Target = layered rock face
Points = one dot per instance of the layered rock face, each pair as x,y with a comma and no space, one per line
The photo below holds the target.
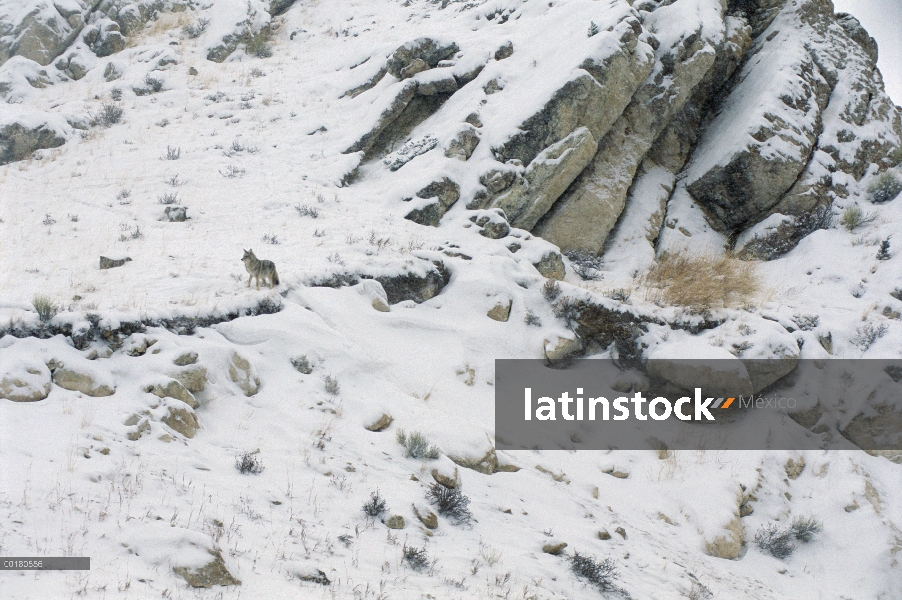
756,108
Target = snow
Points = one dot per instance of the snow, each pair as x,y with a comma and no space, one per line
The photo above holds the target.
74,483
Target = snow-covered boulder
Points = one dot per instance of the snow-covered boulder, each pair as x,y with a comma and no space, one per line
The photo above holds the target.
22,131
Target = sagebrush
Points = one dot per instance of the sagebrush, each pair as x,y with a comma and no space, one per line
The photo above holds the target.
702,282
450,502
417,446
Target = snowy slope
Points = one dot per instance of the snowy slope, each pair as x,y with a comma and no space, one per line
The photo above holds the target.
256,149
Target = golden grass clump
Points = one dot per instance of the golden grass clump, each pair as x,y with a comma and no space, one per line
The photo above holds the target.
702,282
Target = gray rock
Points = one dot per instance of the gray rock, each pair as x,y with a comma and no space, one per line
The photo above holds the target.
173,389
241,372
584,216
277,7
402,99
194,378
111,72
501,311
380,424
28,384
183,420
19,141
551,265
176,214
547,177
446,194
213,573
188,358
504,51
41,35
112,263
395,522
427,50
70,378
463,144
417,66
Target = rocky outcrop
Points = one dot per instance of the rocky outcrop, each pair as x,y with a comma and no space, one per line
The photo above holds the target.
440,196
423,53
426,280
44,31
21,133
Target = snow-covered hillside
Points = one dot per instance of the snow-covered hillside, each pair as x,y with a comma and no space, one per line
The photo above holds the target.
439,185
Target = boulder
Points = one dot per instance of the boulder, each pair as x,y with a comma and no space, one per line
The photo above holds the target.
242,373
428,51
501,310
547,177
551,265
462,145
112,263
380,424
194,378
213,573
373,290
23,379
176,214
446,194
182,419
428,518
185,359
104,38
395,522
561,349
554,548
403,94
716,371
70,378
411,286
173,389
20,137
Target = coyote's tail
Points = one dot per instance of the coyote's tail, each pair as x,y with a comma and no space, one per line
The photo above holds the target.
275,277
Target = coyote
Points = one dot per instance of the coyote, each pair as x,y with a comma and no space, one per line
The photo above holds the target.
260,269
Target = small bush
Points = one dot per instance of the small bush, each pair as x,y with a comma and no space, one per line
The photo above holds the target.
806,322
883,252
567,309
551,290
775,541
194,30
599,573
853,217
867,335
45,307
116,94
331,385
805,529
110,114
585,264
449,502
532,319
375,507
232,171
884,187
416,558
417,446
152,85
259,46
302,364
702,282
248,463
48,219
169,198
307,211
172,153
593,29
123,195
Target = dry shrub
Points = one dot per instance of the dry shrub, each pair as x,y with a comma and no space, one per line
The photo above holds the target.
702,282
